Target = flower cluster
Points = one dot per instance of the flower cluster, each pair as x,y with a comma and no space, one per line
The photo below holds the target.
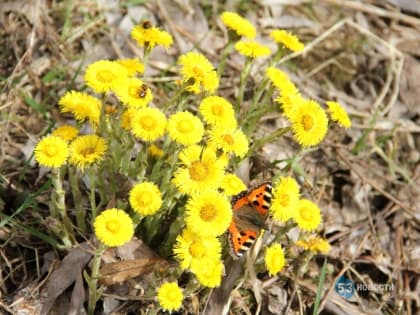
169,166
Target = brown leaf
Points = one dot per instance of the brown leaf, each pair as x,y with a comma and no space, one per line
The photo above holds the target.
121,271
64,275
78,295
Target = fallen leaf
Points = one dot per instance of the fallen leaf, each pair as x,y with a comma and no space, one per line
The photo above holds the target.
64,275
118,272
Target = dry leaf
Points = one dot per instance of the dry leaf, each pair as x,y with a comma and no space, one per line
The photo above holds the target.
64,275
121,271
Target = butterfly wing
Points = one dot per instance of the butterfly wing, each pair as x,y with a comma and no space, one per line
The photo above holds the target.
250,209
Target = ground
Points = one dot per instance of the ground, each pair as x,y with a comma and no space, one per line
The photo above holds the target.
365,179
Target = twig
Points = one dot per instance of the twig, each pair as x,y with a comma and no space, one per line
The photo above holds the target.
368,8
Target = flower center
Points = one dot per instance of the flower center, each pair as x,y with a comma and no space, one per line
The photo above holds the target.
173,295
113,226
148,123
105,76
307,122
306,214
284,200
184,126
87,151
207,212
51,151
133,91
217,110
198,171
228,139
144,199
198,73
197,250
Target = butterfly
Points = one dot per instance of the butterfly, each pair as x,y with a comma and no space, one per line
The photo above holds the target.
250,210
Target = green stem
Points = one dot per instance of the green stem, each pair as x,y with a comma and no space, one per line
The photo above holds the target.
94,294
242,84
59,208
92,199
77,199
260,142
223,58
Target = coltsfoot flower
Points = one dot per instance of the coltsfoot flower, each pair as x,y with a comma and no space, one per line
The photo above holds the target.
145,198
87,150
51,151
287,39
195,67
208,213
309,123
307,215
148,124
149,36
101,75
338,114
285,198
170,296
200,170
238,24
82,105
252,49
185,128
196,252
274,259
113,227
66,132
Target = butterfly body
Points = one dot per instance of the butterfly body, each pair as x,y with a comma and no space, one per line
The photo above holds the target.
250,210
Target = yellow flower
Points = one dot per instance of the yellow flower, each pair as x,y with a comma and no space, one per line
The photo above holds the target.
280,80
307,215
126,118
196,68
66,132
154,150
289,101
212,276
113,227
274,259
217,111
132,66
338,114
170,296
82,105
149,36
285,198
238,24
208,213
230,140
86,150
132,92
315,244
287,39
195,252
185,128
148,124
309,123
232,185
145,198
201,170
101,75
51,151
252,49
